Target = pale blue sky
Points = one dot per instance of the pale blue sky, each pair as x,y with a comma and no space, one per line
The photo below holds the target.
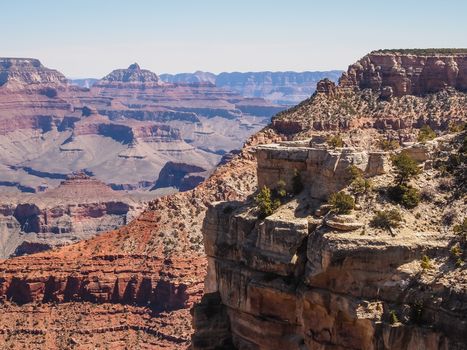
89,38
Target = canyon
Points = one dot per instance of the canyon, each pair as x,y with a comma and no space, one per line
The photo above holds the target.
129,130
300,278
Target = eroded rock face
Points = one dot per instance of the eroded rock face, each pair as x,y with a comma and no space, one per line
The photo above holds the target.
399,73
322,170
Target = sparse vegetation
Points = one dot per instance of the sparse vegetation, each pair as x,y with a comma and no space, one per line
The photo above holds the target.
461,229
393,319
388,145
426,263
406,195
266,203
405,167
457,127
358,185
335,141
280,190
426,134
456,251
341,202
386,219
428,51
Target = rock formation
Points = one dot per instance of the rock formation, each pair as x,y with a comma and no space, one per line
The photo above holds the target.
129,118
409,72
20,71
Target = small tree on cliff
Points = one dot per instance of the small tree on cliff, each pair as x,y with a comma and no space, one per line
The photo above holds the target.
341,202
266,203
405,167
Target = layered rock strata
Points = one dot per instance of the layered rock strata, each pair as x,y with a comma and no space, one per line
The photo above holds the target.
408,72
78,208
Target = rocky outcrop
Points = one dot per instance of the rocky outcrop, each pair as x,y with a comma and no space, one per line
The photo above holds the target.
26,71
301,279
133,74
387,90
322,170
408,72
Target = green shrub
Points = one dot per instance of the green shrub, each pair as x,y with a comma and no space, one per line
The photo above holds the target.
405,195
405,167
266,203
358,185
335,141
386,219
341,202
426,263
280,190
297,185
354,172
393,317
425,134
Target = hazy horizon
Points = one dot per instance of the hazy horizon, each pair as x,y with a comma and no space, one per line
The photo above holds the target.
88,39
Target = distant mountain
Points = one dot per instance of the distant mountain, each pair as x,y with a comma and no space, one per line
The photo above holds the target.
284,88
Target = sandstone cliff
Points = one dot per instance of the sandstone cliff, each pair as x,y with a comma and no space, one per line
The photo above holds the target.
408,72
304,279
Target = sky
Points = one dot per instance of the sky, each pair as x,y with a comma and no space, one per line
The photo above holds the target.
90,38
